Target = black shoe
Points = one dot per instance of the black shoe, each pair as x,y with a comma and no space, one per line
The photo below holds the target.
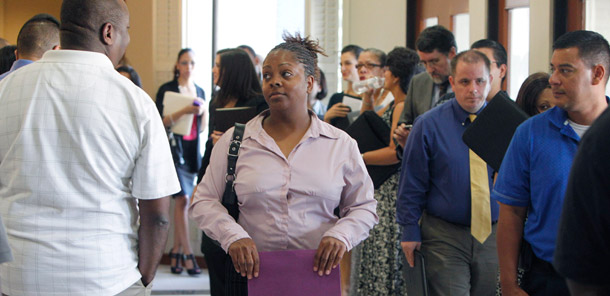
177,268
195,270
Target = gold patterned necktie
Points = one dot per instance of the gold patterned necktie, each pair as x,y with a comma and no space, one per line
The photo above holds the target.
480,210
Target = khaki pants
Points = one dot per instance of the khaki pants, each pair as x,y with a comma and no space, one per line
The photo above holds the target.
137,289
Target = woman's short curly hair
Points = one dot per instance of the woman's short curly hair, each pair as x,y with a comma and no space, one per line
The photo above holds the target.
402,62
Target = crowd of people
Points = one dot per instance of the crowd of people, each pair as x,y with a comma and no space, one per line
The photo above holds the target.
88,163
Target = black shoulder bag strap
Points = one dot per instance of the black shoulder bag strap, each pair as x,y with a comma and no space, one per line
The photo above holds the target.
229,198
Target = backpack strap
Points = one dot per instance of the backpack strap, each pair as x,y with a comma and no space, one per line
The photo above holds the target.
229,198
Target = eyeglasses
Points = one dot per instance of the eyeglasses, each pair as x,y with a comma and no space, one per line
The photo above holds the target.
431,63
369,66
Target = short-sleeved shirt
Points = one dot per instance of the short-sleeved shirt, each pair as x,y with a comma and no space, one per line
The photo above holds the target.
79,144
534,174
288,202
5,250
582,253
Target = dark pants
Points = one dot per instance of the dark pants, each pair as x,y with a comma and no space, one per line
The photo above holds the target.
224,280
215,259
542,280
456,263
235,284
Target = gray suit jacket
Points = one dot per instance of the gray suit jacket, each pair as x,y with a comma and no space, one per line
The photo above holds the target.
419,98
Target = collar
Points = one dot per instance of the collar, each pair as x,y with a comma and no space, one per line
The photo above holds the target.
20,63
254,128
77,57
462,115
559,118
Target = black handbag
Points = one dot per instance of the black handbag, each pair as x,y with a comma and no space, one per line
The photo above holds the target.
235,284
372,133
223,278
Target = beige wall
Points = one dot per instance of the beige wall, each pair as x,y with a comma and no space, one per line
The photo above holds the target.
541,35
140,50
13,13
478,19
381,24
2,20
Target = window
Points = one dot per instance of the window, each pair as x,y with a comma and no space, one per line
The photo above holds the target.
461,30
259,24
518,51
431,21
596,13
197,34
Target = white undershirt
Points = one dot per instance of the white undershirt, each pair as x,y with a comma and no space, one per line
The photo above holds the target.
578,128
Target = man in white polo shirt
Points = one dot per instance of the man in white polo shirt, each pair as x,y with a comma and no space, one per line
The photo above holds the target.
85,165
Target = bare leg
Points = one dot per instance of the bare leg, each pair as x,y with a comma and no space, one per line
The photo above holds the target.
182,237
177,246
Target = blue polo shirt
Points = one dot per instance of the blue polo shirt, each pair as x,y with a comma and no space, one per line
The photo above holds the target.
436,171
535,173
16,65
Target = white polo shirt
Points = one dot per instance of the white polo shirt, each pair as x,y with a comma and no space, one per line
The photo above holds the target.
79,144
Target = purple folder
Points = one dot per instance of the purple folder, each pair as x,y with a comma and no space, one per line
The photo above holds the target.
291,273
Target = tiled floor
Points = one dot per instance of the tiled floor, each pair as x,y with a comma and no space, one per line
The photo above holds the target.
166,283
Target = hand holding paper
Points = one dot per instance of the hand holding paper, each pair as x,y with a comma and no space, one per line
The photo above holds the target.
245,257
337,110
329,254
183,105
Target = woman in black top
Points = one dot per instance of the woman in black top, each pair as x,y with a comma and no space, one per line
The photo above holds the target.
185,151
237,86
337,111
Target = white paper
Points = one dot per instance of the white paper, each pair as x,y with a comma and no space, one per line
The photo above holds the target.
172,102
354,104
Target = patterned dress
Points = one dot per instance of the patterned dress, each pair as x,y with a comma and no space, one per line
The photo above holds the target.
377,269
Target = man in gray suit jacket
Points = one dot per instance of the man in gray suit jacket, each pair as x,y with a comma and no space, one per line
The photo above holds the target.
436,47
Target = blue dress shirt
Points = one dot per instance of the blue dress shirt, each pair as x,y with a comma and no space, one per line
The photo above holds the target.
436,171
16,65
535,173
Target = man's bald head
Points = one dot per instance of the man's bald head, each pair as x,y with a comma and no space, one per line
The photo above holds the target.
95,25
38,34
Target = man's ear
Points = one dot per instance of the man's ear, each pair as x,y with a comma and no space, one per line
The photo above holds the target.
503,69
451,82
16,54
599,72
452,52
108,34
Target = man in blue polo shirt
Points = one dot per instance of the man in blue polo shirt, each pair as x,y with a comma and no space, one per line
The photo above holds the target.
441,185
38,34
534,173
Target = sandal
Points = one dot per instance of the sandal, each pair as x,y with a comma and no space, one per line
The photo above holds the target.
177,268
192,271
